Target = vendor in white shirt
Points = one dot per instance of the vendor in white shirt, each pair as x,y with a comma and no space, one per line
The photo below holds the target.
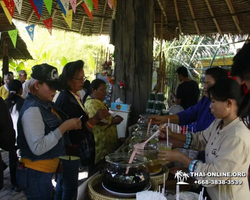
226,143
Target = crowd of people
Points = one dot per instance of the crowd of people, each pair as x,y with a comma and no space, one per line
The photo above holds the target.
48,134
222,118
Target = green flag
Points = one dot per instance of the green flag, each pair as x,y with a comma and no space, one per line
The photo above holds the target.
13,36
89,4
48,4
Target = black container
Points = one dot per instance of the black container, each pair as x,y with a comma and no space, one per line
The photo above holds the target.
115,177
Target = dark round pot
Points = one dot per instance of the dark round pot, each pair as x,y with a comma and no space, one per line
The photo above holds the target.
115,177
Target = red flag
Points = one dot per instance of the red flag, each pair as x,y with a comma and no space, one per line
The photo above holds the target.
10,5
87,11
95,2
48,24
35,9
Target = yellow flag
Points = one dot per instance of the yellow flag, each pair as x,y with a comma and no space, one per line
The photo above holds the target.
68,18
13,36
6,12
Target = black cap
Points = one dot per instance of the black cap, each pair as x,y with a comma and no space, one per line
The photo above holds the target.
47,74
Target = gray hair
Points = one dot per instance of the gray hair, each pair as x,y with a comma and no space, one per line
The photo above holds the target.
21,72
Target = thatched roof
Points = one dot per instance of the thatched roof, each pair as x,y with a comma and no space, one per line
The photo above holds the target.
21,51
203,17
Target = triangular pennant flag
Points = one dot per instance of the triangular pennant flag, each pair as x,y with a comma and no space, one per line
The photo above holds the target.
18,4
39,6
87,11
111,4
35,9
48,4
6,12
89,4
30,30
68,18
13,36
64,5
73,5
95,2
10,5
48,24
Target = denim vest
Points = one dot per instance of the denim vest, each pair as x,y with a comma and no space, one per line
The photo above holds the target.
50,121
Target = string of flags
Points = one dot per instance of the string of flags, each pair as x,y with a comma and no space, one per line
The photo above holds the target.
37,5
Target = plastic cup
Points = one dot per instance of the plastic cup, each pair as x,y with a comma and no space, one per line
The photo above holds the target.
163,146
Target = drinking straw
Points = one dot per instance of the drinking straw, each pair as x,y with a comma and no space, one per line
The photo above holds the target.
159,189
205,198
149,124
200,196
164,184
167,134
177,192
202,191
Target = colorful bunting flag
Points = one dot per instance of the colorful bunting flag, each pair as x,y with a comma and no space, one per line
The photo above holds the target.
48,24
39,6
73,5
87,11
95,2
18,4
6,12
30,29
35,9
64,5
89,4
13,36
48,4
10,5
68,18
112,3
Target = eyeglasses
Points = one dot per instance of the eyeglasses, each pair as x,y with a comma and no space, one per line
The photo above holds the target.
80,79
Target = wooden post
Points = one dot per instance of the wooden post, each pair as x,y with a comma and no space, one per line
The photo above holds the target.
134,53
5,57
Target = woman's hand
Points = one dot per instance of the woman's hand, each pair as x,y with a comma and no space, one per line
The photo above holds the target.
166,157
157,119
101,114
70,124
117,120
163,134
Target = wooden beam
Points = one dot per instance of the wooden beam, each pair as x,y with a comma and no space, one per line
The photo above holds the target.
31,14
193,16
103,13
163,11
83,19
54,13
177,15
212,14
235,18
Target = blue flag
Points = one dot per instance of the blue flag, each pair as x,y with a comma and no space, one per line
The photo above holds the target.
39,6
62,7
30,30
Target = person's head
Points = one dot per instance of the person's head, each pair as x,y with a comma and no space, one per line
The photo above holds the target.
98,88
7,78
226,98
44,82
241,64
86,84
211,76
15,87
22,76
72,77
182,73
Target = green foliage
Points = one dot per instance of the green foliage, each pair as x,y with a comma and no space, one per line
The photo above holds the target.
59,49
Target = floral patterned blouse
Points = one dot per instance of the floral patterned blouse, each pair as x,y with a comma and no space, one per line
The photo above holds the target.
105,135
